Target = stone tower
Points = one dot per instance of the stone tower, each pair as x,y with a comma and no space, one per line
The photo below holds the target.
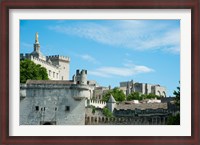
83,78
80,77
63,63
111,103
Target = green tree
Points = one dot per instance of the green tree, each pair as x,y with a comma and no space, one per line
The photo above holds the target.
93,109
175,120
107,112
138,96
134,96
152,96
31,71
177,95
116,93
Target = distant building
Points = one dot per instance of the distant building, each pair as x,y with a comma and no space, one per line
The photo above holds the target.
99,92
143,88
130,113
57,66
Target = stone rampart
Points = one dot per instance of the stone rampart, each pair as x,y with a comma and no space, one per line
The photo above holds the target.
95,103
60,104
58,57
153,120
43,63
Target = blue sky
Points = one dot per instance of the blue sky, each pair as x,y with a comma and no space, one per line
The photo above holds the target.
112,51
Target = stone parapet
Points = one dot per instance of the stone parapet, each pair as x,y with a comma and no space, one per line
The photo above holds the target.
58,57
44,62
96,103
153,120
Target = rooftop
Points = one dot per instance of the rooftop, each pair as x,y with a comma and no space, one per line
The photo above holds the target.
49,82
124,106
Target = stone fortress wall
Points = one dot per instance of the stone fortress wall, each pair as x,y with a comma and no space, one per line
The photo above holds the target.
53,102
156,120
98,118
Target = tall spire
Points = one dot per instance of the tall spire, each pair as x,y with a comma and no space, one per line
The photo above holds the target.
36,37
37,45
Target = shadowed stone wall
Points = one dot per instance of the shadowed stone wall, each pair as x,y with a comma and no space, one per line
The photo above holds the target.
54,104
153,120
97,118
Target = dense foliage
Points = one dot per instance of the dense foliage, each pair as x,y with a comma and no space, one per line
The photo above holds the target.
175,120
31,71
107,112
116,93
177,96
138,96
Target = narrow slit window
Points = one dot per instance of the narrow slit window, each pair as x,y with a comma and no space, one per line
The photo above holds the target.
36,108
67,108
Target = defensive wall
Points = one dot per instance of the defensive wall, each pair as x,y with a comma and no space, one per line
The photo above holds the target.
95,103
58,57
96,117
53,102
153,120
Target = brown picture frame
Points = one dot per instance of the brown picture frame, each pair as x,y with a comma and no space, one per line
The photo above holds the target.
99,4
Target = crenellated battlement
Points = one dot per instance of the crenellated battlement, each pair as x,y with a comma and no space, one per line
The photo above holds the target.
29,56
25,56
58,57
82,72
96,103
146,120
44,62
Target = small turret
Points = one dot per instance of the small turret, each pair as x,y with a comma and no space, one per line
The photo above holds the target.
77,72
80,77
74,78
111,103
83,77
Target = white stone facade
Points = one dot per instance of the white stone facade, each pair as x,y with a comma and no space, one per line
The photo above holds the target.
99,92
53,103
57,66
95,103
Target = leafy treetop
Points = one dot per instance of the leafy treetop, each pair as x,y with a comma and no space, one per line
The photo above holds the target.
31,71
116,93
139,96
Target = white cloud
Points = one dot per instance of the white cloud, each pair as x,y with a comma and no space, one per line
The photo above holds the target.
99,74
132,34
125,71
88,58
